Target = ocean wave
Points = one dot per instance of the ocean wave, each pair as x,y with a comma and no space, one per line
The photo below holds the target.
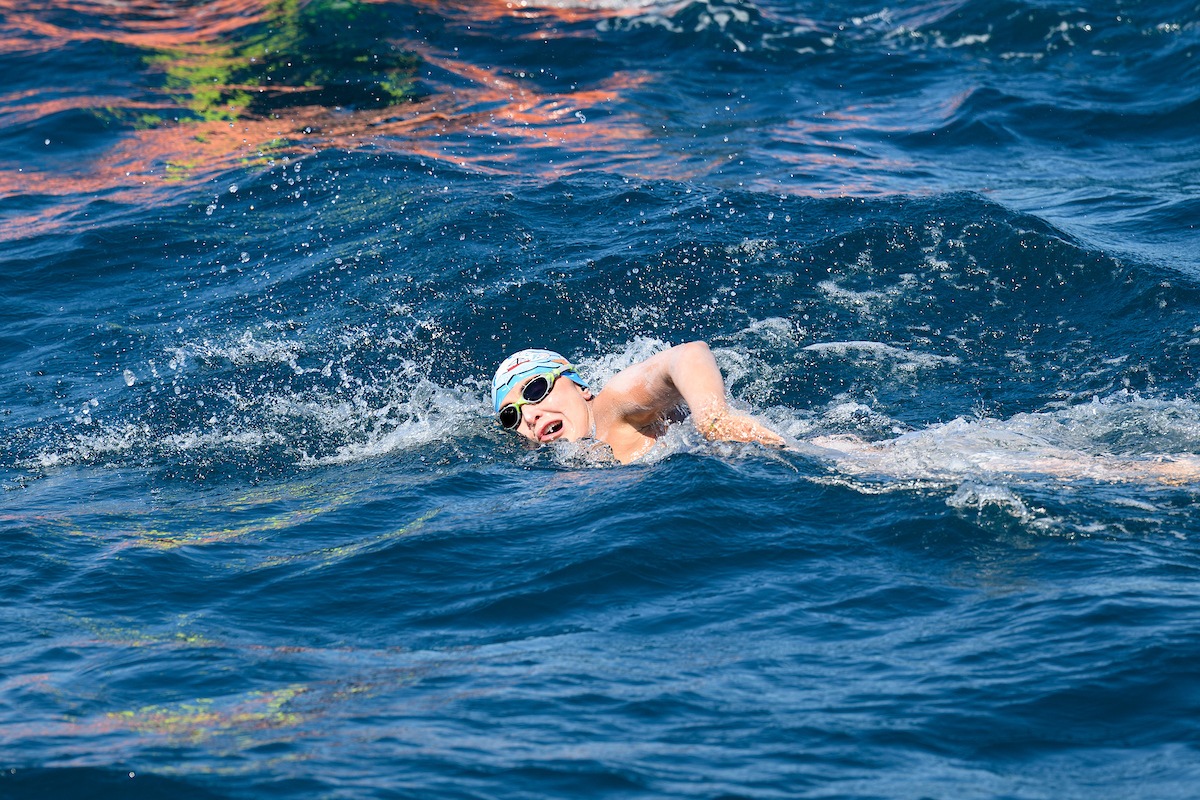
263,535
344,345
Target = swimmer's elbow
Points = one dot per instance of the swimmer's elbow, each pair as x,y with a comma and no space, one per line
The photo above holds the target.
692,353
694,347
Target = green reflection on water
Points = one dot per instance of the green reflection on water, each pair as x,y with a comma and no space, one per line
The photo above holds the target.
317,53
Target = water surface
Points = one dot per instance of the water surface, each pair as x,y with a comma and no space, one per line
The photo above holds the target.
262,537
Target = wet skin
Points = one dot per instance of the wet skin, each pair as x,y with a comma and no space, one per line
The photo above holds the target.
634,407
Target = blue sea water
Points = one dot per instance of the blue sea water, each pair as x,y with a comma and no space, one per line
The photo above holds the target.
261,536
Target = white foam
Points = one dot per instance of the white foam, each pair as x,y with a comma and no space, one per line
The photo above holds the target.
1069,444
245,440
428,415
904,360
598,370
349,418
246,349
869,301
978,497
773,332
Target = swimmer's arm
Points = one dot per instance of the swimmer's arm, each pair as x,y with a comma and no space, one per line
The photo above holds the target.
697,377
689,373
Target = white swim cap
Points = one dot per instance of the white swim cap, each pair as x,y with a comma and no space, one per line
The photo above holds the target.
525,364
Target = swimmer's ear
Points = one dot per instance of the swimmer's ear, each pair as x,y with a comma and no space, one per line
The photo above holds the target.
587,393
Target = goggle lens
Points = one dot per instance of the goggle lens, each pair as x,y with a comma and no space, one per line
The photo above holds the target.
536,390
510,417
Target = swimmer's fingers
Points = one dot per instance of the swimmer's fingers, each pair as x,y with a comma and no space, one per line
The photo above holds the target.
730,427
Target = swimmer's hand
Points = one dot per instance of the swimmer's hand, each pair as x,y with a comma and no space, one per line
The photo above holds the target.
729,426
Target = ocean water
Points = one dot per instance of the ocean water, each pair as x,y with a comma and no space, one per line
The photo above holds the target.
261,536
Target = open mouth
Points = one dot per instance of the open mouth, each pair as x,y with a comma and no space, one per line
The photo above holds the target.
551,430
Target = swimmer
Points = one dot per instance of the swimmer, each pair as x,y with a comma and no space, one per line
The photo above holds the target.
540,395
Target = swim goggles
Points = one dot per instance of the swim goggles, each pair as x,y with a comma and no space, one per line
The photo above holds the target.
532,393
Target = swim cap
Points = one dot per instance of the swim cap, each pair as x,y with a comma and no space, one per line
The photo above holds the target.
525,364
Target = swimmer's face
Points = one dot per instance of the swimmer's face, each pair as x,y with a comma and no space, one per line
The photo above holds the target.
563,414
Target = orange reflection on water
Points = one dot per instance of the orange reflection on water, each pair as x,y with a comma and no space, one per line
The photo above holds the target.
563,11
520,109
138,164
183,119
819,148
147,144
500,124
152,24
141,164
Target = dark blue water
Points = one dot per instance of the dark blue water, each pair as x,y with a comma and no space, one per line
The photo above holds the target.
262,538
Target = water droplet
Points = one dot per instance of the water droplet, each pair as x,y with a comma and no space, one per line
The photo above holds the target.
130,378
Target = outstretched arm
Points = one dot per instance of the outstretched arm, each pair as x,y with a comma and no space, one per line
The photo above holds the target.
687,373
698,378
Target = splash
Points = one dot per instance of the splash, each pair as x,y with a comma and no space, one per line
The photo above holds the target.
1072,444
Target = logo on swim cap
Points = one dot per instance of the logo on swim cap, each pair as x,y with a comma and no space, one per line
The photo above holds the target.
525,364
